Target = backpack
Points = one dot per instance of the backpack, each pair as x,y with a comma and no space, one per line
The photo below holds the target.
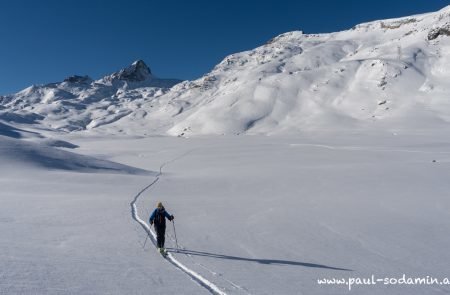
160,217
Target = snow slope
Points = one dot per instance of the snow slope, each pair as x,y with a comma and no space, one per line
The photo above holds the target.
383,74
387,74
79,103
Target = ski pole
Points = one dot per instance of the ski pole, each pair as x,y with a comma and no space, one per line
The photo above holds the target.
148,233
145,241
176,241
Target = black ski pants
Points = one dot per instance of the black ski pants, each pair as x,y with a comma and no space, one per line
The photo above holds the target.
160,236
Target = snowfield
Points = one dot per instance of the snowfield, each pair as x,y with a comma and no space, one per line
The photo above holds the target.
254,215
310,158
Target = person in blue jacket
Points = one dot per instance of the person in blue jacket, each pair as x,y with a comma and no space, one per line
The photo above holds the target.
158,219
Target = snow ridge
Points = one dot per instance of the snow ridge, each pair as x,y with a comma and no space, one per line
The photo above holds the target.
212,288
81,103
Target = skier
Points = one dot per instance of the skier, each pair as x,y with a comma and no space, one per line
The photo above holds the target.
158,217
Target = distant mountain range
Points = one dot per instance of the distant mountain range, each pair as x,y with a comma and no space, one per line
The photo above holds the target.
80,103
391,74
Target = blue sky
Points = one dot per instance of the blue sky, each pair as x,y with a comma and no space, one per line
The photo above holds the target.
48,40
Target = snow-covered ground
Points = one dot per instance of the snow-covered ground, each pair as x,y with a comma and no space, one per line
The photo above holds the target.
254,214
311,157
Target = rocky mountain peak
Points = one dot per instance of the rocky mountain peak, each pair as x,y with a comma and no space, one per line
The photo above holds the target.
138,71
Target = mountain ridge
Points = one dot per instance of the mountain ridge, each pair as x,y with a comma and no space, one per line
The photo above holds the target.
386,74
80,103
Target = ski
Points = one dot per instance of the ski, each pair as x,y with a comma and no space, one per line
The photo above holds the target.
163,252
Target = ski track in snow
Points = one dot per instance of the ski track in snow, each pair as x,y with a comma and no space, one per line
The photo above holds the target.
364,149
211,287
220,275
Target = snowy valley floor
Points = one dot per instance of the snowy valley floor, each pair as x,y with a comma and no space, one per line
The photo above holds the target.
253,214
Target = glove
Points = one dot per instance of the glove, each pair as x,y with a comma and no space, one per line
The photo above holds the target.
151,223
171,218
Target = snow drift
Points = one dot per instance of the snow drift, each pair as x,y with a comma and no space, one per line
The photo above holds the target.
17,152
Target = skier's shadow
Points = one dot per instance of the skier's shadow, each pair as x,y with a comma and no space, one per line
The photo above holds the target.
262,261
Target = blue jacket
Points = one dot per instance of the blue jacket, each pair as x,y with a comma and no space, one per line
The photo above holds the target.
159,222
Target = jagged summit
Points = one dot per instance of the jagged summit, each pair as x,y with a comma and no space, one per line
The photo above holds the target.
136,75
138,71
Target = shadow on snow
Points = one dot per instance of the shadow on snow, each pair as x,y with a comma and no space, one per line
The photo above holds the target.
262,261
